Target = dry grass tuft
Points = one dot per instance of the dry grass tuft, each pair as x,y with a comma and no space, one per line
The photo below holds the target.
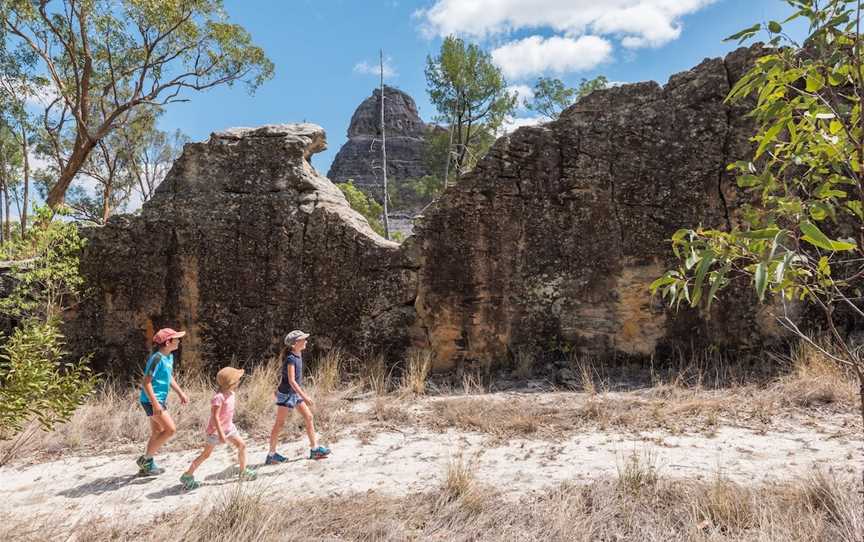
637,471
815,380
327,371
417,367
375,376
523,360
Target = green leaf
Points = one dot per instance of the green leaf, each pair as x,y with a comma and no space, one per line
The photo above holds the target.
774,27
704,264
719,277
769,136
761,280
744,34
766,233
824,267
815,82
815,237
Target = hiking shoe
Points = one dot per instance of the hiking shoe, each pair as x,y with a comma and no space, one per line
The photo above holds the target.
150,468
141,462
319,453
189,482
248,474
274,458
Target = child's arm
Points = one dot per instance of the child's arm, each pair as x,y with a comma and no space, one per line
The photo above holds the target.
296,387
147,384
176,387
214,419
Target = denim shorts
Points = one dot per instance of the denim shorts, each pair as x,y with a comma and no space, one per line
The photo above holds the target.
148,408
289,400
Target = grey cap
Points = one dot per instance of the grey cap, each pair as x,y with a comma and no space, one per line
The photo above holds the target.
294,336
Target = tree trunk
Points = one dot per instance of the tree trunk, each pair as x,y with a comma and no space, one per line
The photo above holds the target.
2,187
57,194
106,206
26,196
7,227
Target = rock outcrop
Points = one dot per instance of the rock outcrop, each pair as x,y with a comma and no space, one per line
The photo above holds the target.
553,240
550,244
360,157
242,242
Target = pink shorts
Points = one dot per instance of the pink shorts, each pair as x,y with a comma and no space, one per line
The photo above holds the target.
214,438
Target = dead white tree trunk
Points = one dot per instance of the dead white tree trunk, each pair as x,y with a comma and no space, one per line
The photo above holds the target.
384,151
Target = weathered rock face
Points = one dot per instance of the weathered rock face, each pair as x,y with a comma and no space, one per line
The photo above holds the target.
555,237
243,242
550,244
360,157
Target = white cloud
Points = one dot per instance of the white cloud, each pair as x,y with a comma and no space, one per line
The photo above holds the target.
646,22
512,123
366,68
535,54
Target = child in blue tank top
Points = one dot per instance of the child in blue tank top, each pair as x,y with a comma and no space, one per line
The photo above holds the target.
290,395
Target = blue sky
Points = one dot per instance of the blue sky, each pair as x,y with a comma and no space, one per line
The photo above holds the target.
317,46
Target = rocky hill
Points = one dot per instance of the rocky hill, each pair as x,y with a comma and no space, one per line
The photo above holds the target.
360,157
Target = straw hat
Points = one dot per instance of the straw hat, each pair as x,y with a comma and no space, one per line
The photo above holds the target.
228,377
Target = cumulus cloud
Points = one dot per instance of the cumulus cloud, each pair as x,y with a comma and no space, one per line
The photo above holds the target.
535,54
639,23
374,68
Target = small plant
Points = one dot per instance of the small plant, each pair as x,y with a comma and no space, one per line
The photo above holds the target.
637,471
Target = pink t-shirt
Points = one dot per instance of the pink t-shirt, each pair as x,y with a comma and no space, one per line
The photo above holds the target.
226,415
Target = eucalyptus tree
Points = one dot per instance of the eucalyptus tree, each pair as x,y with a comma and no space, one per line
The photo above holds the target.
104,58
801,237
471,96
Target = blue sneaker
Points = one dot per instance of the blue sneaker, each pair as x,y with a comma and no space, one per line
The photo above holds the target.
150,468
275,458
319,453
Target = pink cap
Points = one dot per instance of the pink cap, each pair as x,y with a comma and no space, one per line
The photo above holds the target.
166,333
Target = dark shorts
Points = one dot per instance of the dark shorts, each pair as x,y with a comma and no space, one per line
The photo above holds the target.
289,400
148,408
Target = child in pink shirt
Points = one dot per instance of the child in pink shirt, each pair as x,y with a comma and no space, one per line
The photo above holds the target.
220,427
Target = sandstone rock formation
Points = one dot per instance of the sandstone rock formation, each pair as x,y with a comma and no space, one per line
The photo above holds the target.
553,240
243,242
550,244
360,157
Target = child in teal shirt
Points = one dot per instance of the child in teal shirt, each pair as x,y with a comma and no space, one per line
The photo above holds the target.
158,380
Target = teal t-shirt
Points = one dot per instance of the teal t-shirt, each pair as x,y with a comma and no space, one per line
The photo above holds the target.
161,368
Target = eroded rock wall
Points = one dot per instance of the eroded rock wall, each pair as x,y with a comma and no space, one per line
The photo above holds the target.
243,242
552,241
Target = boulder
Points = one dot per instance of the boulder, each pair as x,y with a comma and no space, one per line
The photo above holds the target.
242,242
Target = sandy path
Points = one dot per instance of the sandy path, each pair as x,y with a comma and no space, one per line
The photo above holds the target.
415,460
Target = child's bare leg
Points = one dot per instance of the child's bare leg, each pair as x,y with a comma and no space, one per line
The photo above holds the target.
208,449
310,425
241,450
163,428
155,431
282,413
